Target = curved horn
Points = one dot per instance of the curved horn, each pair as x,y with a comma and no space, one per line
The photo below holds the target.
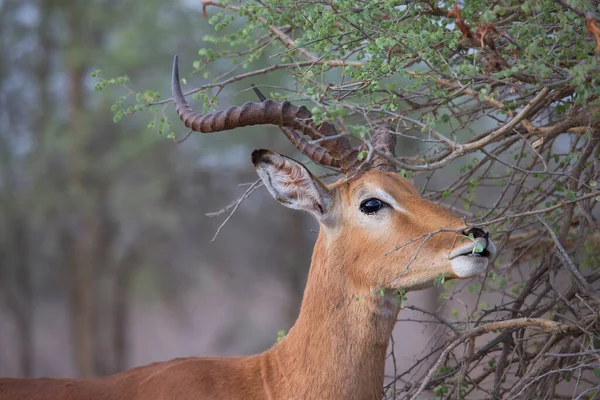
333,152
267,112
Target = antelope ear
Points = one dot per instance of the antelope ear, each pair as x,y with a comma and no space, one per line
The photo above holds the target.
291,183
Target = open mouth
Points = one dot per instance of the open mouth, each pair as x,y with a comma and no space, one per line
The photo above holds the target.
484,253
467,261
470,249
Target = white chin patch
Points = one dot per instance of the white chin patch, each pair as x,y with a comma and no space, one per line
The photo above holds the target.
468,266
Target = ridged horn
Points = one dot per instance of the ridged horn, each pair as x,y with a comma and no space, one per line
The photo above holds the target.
337,152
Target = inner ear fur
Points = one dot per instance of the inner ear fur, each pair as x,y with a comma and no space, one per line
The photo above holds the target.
291,183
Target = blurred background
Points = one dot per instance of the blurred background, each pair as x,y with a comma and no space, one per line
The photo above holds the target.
106,259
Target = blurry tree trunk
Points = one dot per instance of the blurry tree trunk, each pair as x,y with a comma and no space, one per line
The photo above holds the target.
15,262
91,235
94,232
16,273
86,232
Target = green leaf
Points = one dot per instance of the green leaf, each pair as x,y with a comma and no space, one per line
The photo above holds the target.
478,248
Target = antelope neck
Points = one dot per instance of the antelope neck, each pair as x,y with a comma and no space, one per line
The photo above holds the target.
337,347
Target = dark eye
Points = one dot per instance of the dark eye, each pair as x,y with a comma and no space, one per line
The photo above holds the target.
371,206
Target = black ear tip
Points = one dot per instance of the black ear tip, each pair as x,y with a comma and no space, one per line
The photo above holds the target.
260,156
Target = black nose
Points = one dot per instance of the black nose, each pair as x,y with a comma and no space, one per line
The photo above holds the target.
477,233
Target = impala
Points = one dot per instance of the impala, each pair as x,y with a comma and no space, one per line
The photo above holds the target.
377,236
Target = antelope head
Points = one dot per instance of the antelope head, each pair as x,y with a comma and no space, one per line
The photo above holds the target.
373,222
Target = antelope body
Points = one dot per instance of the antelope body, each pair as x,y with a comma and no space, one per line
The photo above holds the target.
368,225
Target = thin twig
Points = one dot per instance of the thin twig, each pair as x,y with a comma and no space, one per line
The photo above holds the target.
233,206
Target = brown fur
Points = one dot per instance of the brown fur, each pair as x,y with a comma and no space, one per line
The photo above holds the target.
336,349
